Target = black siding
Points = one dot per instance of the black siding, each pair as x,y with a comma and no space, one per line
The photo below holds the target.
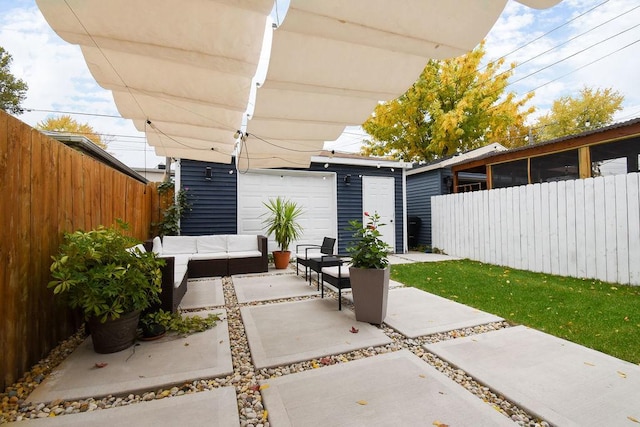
349,199
214,202
420,188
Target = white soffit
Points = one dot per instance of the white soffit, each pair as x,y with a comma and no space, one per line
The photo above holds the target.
182,69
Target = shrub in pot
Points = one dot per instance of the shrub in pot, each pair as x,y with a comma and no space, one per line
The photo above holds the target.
109,277
369,271
282,221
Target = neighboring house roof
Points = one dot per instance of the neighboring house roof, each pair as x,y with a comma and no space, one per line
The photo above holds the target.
604,134
84,145
460,158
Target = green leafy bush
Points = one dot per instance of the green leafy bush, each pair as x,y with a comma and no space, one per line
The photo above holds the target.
101,273
368,250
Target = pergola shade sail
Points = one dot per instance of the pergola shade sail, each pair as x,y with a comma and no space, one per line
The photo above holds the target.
183,69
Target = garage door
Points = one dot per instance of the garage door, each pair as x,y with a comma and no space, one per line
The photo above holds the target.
314,191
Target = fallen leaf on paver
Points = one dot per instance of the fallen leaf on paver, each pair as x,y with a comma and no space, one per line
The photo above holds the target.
422,376
101,364
354,330
633,419
263,386
326,361
362,402
622,374
439,424
589,364
186,344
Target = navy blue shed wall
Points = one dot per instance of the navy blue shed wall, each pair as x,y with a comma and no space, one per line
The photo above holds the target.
349,199
214,202
420,188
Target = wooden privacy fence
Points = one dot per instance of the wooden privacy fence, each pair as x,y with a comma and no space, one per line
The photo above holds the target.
586,228
48,188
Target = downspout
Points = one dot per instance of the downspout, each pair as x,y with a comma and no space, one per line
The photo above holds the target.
405,234
177,185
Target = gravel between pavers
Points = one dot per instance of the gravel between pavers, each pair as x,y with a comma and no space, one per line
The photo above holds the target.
245,377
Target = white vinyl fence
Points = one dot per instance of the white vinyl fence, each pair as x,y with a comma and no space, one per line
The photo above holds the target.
584,228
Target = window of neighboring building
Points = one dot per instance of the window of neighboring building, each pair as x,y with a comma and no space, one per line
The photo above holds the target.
615,158
509,174
555,167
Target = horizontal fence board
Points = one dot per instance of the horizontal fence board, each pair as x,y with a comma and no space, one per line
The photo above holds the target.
584,228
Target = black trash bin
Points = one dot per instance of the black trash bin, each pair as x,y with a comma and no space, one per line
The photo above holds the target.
413,230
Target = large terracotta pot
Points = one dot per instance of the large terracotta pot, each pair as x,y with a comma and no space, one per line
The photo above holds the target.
281,259
114,334
370,289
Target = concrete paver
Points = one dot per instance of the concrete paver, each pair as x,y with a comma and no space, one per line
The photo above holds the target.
147,366
394,389
203,293
285,333
560,381
208,408
271,287
414,313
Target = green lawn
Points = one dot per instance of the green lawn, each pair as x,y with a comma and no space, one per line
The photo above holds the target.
596,314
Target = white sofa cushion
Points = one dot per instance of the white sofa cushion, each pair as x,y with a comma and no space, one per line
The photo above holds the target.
209,255
245,254
157,246
212,244
179,245
178,274
242,243
137,248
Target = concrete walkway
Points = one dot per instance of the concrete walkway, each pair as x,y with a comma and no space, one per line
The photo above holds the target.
563,383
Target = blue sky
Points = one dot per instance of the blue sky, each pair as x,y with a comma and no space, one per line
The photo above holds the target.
59,80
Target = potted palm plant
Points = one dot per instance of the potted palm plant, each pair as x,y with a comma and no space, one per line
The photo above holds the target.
282,221
369,271
111,279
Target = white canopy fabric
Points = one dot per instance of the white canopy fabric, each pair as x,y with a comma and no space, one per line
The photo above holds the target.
183,69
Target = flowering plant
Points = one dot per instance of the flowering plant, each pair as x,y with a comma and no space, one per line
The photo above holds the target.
368,250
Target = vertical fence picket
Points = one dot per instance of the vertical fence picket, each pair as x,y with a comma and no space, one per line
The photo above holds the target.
610,228
622,230
633,204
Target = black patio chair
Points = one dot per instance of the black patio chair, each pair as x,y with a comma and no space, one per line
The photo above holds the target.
337,276
305,252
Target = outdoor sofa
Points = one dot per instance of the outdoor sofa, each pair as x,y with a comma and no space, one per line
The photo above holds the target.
206,256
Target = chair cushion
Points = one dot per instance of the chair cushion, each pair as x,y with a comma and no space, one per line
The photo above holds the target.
212,244
242,243
179,245
157,245
333,271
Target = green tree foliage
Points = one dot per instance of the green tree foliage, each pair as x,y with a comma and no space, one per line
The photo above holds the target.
65,123
591,109
12,91
454,106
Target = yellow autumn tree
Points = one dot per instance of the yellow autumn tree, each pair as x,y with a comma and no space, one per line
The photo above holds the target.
65,123
454,106
590,109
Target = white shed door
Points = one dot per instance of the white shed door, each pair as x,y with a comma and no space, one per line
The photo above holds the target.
314,191
378,195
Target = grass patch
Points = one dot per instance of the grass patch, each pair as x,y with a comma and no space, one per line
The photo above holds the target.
599,315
